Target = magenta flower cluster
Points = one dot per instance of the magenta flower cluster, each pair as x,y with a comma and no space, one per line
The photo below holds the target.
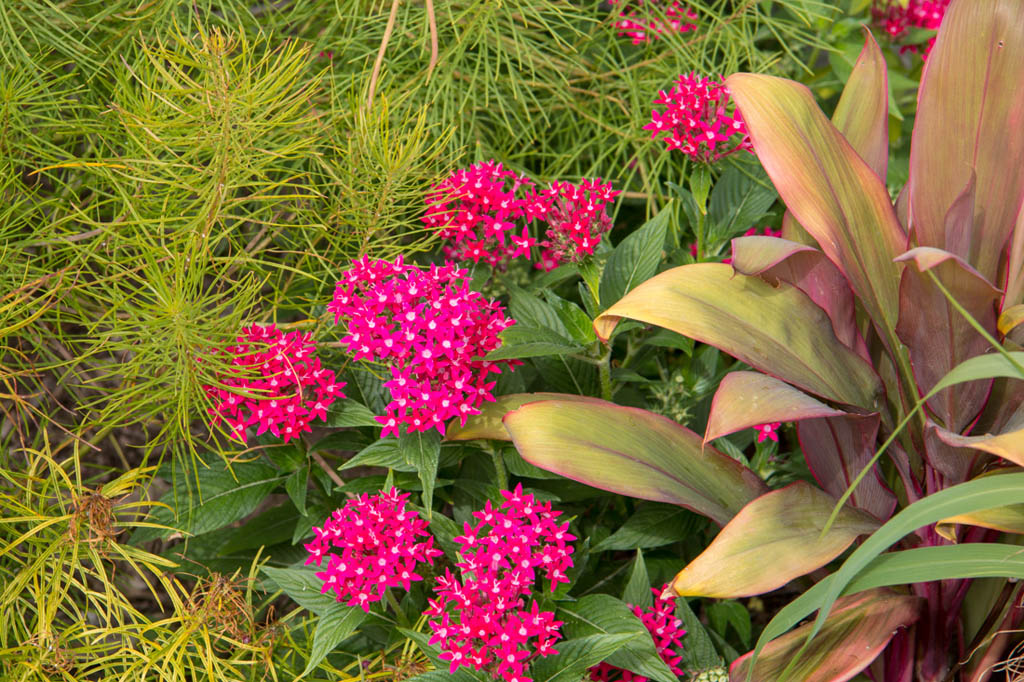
666,631
641,22
696,122
483,621
279,385
899,18
769,431
380,548
484,213
430,330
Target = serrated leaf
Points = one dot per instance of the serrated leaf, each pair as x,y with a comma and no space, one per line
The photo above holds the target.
638,588
576,321
333,627
422,451
635,259
529,310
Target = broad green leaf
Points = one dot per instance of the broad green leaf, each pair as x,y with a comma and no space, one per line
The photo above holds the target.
855,633
268,528
781,529
746,399
973,496
728,612
830,190
776,329
988,366
531,311
635,259
923,564
632,452
653,525
602,614
576,656
381,453
215,497
862,114
638,588
297,486
576,321
422,451
488,423
333,627
350,413
303,587
699,651
968,120
739,200
526,341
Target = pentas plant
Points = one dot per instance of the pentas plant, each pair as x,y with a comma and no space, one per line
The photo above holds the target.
696,119
279,385
769,431
484,620
431,332
380,547
641,22
765,232
898,18
666,631
577,216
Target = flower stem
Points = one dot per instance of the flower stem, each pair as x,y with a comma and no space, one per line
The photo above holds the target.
393,603
604,370
500,473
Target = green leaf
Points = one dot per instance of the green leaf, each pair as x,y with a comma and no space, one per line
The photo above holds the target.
576,321
602,614
698,650
739,200
422,451
297,485
777,329
303,587
653,525
382,453
332,628
215,497
527,341
723,614
268,528
632,452
576,656
638,588
635,259
530,311
781,529
346,413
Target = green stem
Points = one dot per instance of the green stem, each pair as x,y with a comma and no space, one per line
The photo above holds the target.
500,473
393,603
700,236
604,370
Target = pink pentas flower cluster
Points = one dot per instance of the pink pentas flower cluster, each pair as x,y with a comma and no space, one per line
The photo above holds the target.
666,631
484,214
752,232
642,21
430,330
483,621
577,216
897,19
279,385
696,121
380,546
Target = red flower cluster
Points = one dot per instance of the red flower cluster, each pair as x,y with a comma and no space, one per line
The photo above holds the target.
430,329
483,621
897,20
643,25
666,631
379,548
576,219
696,121
291,389
484,213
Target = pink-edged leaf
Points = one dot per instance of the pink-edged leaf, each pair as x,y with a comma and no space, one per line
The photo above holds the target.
771,541
855,632
862,114
960,222
808,269
1015,267
1007,519
937,335
1010,319
746,399
836,450
488,423
1008,443
632,452
954,463
829,188
969,120
777,329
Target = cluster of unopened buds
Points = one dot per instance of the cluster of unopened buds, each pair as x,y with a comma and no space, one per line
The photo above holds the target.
752,232
666,631
430,331
483,621
381,546
278,384
484,214
642,21
898,18
696,121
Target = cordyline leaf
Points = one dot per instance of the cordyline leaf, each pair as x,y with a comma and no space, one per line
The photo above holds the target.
836,449
488,424
827,186
1009,444
806,268
968,120
1010,319
746,399
955,463
778,330
862,114
632,452
855,633
1015,267
937,336
780,530
1008,518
